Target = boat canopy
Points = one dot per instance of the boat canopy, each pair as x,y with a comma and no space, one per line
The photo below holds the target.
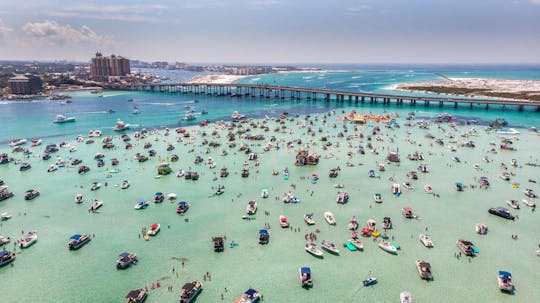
504,273
283,219
124,254
250,292
263,231
4,253
75,237
182,203
154,226
305,270
159,193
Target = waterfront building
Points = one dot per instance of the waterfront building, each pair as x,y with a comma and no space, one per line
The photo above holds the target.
104,68
27,84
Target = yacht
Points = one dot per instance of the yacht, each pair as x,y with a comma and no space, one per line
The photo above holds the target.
249,296
125,260
467,247
137,295
120,125
96,204
426,240
5,193
31,194
329,217
6,257
387,246
29,239
501,212
504,280
330,247
17,142
77,241
313,249
63,119
424,269
190,291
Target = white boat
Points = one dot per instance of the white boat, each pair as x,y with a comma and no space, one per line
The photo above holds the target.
408,185
405,297
63,119
426,240
504,279
94,133
353,223
371,224
36,142
124,184
387,246
283,222
17,142
330,247
154,229
356,243
308,218
513,203
264,193
95,205
481,228
29,239
73,149
141,204
528,202
79,198
313,249
251,208
120,125
5,216
428,189
329,217
236,116
95,186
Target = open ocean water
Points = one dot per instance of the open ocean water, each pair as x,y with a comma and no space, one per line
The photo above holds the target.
49,272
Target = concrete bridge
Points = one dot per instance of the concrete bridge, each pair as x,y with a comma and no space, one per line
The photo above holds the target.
298,93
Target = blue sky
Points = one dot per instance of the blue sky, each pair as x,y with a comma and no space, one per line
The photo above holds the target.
270,31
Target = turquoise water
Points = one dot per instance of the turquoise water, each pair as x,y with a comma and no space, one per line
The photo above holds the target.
56,274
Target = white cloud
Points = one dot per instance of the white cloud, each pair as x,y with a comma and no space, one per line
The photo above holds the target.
55,33
4,29
358,9
126,13
535,1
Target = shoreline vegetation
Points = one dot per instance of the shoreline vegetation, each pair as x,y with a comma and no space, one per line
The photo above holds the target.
478,87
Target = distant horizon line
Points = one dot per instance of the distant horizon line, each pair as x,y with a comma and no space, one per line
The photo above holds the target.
292,63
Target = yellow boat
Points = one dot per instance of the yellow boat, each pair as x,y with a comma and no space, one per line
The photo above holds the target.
375,234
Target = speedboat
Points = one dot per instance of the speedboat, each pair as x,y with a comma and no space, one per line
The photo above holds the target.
387,223
329,217
5,193
330,247
305,277
528,202
501,212
481,228
154,229
283,222
308,218
388,247
530,193
52,168
251,208
137,295
96,204
264,193
124,184
249,296
95,186
120,125
264,236
5,216
467,247
182,208
6,257
141,204
190,291
77,241
428,189
29,239
424,269
4,240
426,240
17,142
125,260
36,142
405,297
94,133
356,243
31,194
189,117
408,185
504,280
342,197
513,203
407,212
159,197
370,281
79,198
63,119
313,249
353,223
236,116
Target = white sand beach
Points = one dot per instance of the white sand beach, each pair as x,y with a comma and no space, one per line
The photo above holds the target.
493,85
217,79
